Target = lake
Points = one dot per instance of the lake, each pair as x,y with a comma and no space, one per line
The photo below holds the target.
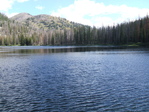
74,79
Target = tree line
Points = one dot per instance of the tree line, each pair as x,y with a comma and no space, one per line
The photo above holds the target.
14,33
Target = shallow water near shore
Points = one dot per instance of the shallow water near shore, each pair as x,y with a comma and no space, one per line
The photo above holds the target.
74,78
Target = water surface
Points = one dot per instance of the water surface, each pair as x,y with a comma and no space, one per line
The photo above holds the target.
74,79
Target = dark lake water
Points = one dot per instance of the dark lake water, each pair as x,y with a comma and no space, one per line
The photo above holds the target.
74,79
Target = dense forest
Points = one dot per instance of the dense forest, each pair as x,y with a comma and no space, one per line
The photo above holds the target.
49,30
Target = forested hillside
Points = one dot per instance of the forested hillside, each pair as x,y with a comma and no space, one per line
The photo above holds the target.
44,21
25,29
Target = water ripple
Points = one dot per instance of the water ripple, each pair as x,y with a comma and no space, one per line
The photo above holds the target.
97,81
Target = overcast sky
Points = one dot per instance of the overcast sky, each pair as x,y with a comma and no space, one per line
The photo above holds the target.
89,12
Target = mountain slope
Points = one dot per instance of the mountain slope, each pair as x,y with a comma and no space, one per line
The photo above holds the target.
44,22
25,29
21,17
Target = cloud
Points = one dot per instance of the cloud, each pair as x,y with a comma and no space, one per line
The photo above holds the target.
9,15
39,7
22,0
6,5
92,13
